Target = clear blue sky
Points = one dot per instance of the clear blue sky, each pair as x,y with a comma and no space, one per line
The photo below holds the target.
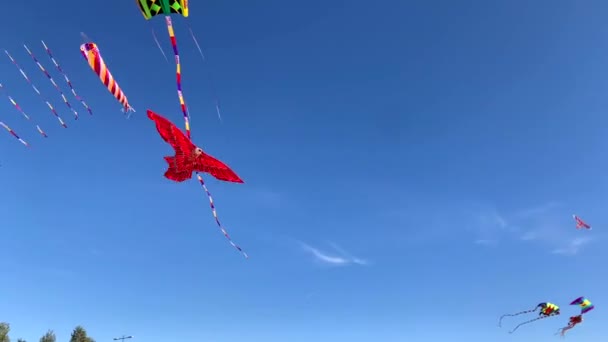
411,171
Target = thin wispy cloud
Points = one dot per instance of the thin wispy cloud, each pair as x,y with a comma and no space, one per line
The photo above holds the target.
573,247
338,258
546,225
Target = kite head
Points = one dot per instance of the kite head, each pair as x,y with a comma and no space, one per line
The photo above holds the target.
197,151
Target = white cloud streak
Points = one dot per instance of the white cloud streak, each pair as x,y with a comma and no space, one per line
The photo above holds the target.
341,259
543,225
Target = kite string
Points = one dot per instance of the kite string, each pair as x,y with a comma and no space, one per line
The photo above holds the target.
46,73
187,126
65,76
159,46
213,89
52,109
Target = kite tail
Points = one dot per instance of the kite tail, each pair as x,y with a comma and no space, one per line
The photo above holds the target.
14,134
187,126
530,321
158,44
515,314
215,216
20,110
214,93
65,76
178,74
61,122
562,331
46,73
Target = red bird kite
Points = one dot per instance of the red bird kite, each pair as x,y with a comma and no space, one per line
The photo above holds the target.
188,157
580,224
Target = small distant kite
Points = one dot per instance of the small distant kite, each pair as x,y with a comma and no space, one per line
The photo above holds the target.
586,306
91,53
546,310
580,224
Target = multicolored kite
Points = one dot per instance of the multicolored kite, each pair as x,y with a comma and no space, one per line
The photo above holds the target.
546,310
586,306
152,8
580,224
91,53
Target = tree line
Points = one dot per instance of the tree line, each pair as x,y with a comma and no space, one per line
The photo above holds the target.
78,335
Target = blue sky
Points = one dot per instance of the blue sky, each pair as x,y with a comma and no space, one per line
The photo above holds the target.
411,170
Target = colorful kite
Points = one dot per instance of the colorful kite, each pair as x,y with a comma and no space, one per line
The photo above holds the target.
546,310
51,108
580,224
188,158
91,53
20,110
65,76
584,303
586,306
46,73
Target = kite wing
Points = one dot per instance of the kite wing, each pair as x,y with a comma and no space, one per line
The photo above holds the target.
151,8
219,170
91,53
172,135
580,224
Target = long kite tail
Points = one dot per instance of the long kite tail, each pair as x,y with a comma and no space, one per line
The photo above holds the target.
46,73
14,134
215,216
530,321
214,92
65,76
515,314
187,126
178,75
52,109
158,45
20,110
562,331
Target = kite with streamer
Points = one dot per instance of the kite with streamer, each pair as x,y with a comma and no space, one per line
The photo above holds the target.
20,110
586,306
91,53
580,224
151,8
46,73
51,108
188,158
65,77
546,310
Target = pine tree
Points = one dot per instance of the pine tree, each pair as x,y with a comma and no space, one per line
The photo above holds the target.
48,337
80,335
